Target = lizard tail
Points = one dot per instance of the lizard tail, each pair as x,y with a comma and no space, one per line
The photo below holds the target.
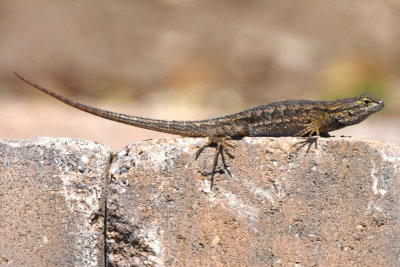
183,128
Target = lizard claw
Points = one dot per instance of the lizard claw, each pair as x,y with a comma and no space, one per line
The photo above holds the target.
219,142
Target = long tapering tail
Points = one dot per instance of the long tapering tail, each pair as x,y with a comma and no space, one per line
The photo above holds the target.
184,128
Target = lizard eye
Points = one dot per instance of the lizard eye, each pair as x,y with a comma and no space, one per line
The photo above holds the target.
366,101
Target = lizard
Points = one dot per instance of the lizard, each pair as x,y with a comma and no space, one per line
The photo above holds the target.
297,118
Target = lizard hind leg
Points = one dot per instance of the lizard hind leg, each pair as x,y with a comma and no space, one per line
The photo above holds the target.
221,147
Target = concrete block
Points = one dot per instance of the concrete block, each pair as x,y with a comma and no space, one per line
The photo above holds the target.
52,202
283,204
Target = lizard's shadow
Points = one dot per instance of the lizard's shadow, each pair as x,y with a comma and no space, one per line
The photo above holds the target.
221,147
309,141
224,166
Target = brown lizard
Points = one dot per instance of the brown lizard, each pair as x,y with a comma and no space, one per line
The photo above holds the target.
284,118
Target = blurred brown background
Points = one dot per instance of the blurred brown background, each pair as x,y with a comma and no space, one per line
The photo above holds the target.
194,59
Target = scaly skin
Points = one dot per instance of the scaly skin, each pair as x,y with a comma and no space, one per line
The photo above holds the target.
285,118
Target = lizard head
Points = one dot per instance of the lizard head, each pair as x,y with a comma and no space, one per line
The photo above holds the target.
357,109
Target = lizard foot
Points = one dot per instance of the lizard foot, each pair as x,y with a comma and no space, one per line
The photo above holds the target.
221,147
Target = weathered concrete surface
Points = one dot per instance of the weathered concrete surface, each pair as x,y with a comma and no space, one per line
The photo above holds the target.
335,205
52,202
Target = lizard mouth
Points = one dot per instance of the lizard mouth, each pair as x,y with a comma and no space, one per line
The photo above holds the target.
378,106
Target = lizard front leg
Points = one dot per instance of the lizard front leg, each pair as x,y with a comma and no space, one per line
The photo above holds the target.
314,125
